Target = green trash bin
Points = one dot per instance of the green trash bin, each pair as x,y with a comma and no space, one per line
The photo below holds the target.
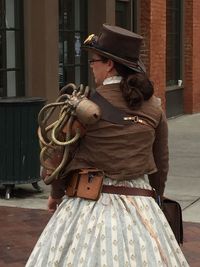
19,145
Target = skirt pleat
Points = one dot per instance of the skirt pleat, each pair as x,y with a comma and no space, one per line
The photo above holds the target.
115,231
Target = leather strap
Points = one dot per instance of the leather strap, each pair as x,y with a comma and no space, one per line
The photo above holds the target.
114,115
132,191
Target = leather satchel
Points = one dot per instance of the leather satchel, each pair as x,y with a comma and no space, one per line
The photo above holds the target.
173,213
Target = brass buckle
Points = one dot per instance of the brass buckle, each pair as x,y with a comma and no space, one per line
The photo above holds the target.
134,119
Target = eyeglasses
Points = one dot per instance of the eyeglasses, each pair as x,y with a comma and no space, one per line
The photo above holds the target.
90,61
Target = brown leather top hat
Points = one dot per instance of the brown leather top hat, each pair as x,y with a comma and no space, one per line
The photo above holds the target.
118,44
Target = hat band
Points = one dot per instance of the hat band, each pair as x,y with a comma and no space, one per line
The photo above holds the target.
132,61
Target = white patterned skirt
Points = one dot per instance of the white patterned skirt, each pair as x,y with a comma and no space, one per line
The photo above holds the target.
115,231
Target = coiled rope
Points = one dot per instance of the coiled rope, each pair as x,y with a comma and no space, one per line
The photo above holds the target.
51,136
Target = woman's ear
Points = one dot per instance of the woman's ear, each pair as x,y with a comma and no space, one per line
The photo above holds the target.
110,65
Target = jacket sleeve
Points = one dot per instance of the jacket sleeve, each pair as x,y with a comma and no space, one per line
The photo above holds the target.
161,156
58,188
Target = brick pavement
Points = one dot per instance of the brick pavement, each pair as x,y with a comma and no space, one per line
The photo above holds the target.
191,246
20,228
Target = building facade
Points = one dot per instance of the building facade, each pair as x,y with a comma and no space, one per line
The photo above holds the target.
40,44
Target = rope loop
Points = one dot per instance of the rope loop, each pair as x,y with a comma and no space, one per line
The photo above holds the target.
52,137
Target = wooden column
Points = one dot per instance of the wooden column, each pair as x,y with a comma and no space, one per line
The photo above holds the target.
41,48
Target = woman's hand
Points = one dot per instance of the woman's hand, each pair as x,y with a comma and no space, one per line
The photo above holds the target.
53,204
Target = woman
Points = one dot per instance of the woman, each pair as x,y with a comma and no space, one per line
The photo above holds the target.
125,226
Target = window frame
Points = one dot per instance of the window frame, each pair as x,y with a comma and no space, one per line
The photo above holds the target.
130,8
72,67
174,84
18,30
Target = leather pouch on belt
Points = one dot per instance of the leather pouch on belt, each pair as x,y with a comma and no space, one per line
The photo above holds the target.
87,183
72,184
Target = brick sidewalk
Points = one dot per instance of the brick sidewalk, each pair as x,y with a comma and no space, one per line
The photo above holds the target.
191,246
20,229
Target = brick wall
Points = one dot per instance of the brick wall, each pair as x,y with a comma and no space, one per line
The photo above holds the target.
153,28
192,56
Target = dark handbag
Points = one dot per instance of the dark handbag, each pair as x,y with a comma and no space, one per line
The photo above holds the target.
173,214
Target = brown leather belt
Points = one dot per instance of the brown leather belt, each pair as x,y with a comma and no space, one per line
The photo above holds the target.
132,191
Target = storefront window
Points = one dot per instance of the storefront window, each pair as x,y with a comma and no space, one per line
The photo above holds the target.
125,14
11,48
72,32
173,43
